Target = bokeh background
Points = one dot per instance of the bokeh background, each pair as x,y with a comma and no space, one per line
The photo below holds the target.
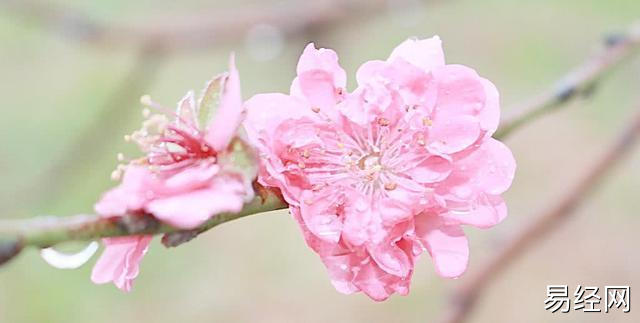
67,100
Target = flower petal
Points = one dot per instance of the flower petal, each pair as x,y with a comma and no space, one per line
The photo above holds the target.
130,195
341,273
484,213
391,259
426,53
491,167
452,133
120,261
431,170
318,88
319,215
229,114
193,208
490,114
322,59
460,90
265,112
447,244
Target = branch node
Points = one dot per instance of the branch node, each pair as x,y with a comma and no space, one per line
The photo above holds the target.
174,239
137,223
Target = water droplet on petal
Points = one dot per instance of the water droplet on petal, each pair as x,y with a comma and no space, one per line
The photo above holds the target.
62,260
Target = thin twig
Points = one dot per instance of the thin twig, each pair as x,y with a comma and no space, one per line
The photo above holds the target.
476,283
197,32
44,232
578,82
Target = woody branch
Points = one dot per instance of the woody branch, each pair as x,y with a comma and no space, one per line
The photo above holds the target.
44,232
580,81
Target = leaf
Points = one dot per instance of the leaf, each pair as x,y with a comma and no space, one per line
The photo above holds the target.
210,98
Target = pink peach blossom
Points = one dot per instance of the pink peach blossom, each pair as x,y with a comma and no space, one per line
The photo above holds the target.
184,178
378,175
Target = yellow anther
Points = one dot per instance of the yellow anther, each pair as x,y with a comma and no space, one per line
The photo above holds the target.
390,186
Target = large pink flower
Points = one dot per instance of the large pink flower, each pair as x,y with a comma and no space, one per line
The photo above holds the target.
378,175
184,179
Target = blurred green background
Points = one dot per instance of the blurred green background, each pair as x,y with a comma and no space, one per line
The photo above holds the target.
66,105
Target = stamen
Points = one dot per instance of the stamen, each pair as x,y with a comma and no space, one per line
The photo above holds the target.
383,122
390,186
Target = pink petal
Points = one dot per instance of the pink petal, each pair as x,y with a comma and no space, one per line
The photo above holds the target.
357,218
319,89
319,215
322,247
193,208
322,59
391,259
395,209
341,272
193,177
265,112
426,53
120,261
229,113
130,195
491,167
415,86
490,114
487,212
370,71
451,133
460,90
447,245
431,170
373,282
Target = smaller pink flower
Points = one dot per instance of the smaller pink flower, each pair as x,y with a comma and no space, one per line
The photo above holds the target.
187,175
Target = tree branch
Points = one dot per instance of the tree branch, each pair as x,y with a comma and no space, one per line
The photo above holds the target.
44,232
464,299
581,80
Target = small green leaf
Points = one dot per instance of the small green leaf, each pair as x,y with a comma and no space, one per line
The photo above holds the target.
210,99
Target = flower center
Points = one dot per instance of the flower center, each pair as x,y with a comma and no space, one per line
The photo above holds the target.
370,163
